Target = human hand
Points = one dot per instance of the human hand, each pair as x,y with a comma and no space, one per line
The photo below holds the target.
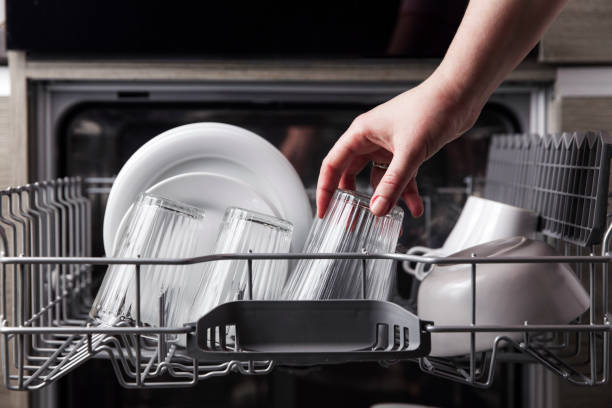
404,132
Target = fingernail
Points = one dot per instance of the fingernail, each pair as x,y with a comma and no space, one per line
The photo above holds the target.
379,205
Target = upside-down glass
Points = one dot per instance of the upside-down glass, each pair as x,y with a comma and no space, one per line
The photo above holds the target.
348,226
241,232
155,227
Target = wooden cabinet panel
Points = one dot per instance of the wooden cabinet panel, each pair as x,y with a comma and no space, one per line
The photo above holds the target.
586,113
13,169
581,34
8,399
5,134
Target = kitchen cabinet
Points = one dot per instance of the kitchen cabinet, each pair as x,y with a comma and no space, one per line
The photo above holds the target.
4,139
581,34
591,112
12,171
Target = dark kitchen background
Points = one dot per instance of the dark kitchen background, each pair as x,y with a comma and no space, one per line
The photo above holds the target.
109,103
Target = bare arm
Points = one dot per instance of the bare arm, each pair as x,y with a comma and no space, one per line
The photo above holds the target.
493,37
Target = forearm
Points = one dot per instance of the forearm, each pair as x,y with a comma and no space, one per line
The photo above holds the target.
493,38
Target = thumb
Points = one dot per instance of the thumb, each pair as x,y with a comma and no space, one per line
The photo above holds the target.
393,183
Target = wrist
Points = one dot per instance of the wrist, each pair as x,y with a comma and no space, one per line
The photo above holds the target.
461,101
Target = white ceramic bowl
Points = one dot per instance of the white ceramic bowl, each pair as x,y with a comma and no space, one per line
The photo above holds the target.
506,294
480,221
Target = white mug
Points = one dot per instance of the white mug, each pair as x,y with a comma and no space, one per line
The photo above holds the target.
480,221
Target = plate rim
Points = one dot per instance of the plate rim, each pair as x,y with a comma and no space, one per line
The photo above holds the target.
301,211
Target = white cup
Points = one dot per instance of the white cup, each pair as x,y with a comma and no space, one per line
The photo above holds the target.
480,221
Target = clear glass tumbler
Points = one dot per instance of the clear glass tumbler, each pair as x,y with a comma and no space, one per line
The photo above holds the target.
241,232
348,226
155,227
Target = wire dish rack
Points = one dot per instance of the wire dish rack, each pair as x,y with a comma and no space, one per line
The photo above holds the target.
46,332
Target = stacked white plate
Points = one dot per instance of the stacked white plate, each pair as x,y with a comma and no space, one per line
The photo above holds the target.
212,166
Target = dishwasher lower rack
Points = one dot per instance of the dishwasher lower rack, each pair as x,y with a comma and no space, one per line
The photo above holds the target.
45,331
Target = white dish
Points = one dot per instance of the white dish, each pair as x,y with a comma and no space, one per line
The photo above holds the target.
214,194
215,148
506,294
481,220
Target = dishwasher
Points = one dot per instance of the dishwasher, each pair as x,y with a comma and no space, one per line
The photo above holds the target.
46,286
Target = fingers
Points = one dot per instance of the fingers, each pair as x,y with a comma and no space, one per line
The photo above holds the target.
375,175
410,195
413,200
331,170
392,184
351,153
347,181
350,145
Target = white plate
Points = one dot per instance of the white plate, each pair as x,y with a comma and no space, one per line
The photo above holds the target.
214,148
213,193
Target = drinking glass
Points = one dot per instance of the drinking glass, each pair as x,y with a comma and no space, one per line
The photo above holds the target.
348,226
155,227
241,232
